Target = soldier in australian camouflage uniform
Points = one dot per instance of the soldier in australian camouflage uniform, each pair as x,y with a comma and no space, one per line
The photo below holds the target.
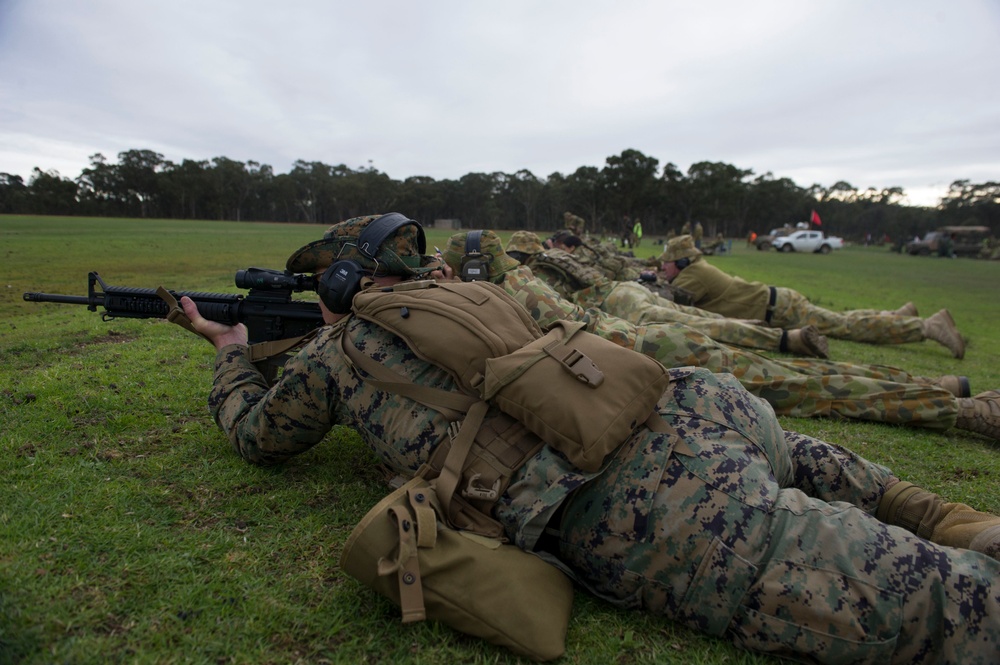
723,522
588,286
598,254
719,292
796,387
575,223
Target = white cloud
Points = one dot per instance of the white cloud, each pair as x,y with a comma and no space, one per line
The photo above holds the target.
875,94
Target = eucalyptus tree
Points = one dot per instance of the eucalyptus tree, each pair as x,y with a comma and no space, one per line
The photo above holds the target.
424,199
720,196
99,188
51,194
525,190
138,180
13,193
772,202
630,186
585,196
185,189
968,203
476,200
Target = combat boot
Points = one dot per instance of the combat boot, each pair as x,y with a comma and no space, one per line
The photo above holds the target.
909,309
956,385
941,328
806,341
931,517
980,414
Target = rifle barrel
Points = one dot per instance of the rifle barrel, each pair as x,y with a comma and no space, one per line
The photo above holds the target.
54,297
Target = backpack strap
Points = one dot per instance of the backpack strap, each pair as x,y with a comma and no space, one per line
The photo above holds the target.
452,405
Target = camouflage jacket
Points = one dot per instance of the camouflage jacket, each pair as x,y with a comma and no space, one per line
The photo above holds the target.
606,258
719,292
563,272
319,390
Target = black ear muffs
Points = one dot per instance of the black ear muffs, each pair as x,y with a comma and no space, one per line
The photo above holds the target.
345,278
682,263
339,284
475,264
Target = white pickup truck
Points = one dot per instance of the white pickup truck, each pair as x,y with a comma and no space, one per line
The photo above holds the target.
807,241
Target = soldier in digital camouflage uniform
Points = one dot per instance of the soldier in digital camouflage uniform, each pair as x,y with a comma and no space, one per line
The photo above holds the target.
798,387
588,286
685,267
725,523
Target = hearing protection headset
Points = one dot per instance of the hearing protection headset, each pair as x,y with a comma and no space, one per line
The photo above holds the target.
682,263
475,264
346,277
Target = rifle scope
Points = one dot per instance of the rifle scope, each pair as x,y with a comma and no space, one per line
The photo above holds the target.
274,280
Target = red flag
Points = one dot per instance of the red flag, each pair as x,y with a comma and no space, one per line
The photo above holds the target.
815,219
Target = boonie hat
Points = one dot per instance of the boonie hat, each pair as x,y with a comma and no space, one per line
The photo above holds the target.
489,243
681,247
400,254
525,242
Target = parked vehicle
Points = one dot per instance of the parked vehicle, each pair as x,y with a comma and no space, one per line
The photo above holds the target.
765,242
808,241
965,241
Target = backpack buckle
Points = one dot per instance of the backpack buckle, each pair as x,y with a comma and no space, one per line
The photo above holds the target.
583,368
474,491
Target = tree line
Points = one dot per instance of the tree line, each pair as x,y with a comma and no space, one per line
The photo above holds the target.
630,186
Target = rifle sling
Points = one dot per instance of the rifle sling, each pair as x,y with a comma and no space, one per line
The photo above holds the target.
264,350
175,313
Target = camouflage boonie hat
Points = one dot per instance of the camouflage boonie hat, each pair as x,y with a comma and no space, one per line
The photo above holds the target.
526,242
561,234
400,254
681,247
489,243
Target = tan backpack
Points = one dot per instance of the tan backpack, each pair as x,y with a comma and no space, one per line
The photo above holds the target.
432,546
579,392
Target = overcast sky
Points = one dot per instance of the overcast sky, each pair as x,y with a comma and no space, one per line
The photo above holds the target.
876,93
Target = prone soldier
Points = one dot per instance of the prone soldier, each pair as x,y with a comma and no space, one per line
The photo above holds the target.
716,291
719,520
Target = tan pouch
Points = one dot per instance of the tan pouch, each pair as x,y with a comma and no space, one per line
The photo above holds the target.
556,386
474,584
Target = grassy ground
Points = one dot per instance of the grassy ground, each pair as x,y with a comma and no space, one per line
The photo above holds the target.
131,532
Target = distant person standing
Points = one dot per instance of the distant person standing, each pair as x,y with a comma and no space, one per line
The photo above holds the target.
637,232
574,223
697,234
946,246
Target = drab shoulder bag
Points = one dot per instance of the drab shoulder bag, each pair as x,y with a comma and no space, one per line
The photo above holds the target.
476,585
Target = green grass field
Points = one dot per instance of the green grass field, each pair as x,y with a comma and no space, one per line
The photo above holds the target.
131,532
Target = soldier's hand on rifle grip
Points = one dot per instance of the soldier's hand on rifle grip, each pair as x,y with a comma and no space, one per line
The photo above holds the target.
218,333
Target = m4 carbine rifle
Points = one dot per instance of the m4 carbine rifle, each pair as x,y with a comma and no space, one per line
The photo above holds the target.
275,322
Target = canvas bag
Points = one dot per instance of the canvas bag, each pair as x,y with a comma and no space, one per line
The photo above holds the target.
554,383
555,386
479,586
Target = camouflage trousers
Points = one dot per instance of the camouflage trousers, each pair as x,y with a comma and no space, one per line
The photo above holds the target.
808,387
735,528
792,310
637,304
